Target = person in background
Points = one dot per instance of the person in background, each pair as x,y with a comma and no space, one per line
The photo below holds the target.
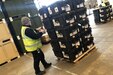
31,39
103,4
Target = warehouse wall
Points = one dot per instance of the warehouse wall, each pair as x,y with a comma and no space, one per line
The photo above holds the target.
21,7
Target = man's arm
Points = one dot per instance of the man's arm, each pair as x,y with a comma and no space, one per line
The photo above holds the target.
33,34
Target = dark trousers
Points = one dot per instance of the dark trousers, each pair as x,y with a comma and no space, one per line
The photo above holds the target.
38,56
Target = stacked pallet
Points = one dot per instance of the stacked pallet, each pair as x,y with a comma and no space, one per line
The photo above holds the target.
68,27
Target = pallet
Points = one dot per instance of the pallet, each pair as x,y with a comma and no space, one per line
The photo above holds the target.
84,54
66,58
8,61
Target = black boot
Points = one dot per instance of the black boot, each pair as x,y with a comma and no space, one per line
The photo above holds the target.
48,65
41,73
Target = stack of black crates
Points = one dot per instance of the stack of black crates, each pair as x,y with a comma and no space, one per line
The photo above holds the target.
103,14
68,27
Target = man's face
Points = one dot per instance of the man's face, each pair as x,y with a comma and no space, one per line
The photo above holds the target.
29,23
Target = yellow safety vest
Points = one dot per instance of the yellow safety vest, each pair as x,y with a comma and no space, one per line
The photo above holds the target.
103,4
30,44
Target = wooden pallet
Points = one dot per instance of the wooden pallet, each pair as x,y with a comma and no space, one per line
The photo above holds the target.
66,58
84,54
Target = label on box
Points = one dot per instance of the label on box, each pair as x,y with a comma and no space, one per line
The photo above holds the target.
80,39
62,45
59,35
71,34
78,43
71,24
56,23
77,56
50,12
90,46
89,35
45,15
78,30
86,26
101,10
78,6
80,53
56,9
62,8
41,17
68,7
72,20
81,5
75,32
85,29
73,44
67,21
83,26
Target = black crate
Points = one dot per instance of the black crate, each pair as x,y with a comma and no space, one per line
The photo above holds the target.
78,1
52,34
67,32
89,30
56,48
65,19
48,24
81,13
70,17
104,13
84,30
87,41
87,46
74,52
60,7
83,22
96,15
43,13
58,21
77,4
71,42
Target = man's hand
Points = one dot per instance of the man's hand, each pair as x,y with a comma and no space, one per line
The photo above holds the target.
38,28
41,29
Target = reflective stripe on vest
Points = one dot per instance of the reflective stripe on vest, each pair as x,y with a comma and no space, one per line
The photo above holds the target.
30,44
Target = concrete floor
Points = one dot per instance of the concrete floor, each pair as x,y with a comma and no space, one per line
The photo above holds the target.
98,62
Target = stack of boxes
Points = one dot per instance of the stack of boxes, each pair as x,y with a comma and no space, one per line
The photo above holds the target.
103,14
68,27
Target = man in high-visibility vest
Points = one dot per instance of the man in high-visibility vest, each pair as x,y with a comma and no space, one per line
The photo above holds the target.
31,39
103,4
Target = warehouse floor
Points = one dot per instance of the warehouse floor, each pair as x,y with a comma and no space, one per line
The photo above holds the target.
97,62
